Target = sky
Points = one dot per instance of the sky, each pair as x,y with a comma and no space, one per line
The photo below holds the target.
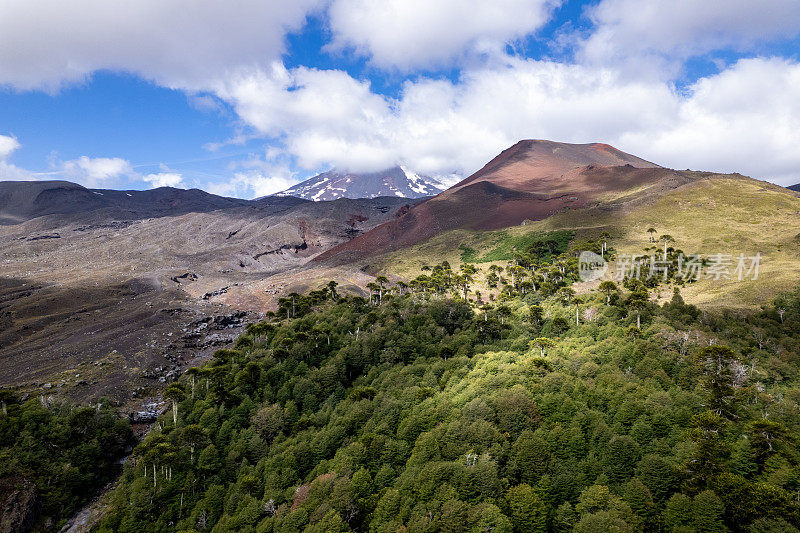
248,97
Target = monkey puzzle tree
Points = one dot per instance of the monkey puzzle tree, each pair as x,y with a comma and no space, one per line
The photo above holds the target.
503,311
175,393
193,373
543,343
193,435
150,453
634,332
293,297
608,287
165,454
216,377
652,232
332,289
381,280
666,239
637,301
517,274
566,294
401,286
577,302
373,288
716,362
467,271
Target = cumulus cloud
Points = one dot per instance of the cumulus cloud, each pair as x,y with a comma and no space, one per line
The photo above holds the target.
745,118
438,127
92,172
8,145
95,172
258,175
9,172
671,30
164,179
88,171
254,183
177,43
423,33
326,116
112,172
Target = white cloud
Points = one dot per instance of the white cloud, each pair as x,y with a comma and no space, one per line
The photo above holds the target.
91,172
444,127
746,118
8,145
178,43
95,172
325,116
424,33
253,184
9,172
438,127
659,31
164,179
257,175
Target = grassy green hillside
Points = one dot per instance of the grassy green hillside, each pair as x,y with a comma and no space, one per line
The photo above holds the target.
422,413
717,214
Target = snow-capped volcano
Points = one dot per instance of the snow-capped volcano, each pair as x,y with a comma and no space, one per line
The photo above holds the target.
396,181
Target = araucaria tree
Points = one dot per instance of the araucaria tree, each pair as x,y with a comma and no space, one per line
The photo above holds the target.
175,394
543,343
608,287
716,364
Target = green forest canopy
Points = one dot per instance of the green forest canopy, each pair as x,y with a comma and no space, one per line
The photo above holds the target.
427,408
422,414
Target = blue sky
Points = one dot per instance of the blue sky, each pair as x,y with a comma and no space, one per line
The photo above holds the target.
248,100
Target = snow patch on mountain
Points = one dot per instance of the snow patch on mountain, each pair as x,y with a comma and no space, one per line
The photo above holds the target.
397,181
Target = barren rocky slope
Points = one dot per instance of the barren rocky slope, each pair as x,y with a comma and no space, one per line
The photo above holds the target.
114,296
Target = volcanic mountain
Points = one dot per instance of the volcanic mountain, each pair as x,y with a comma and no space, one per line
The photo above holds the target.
396,181
529,181
25,200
